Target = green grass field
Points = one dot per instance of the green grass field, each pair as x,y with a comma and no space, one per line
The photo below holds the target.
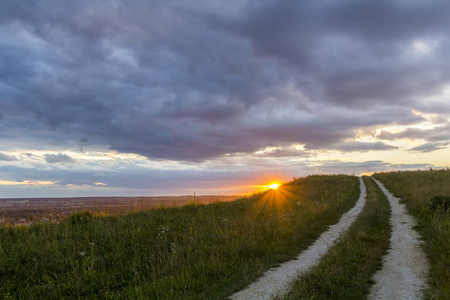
416,189
190,252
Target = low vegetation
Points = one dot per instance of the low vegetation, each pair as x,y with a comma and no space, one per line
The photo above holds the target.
345,272
195,251
24,211
426,195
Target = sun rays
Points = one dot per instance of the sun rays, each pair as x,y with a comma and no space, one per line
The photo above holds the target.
274,186
279,199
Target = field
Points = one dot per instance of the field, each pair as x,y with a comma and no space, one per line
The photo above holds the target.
417,189
128,248
195,251
23,211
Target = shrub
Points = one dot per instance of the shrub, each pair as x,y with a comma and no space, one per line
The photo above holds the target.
82,217
439,203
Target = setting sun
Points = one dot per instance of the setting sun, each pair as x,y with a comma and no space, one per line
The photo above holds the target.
271,186
274,186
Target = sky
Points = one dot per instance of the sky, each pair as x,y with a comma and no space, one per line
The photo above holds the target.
172,97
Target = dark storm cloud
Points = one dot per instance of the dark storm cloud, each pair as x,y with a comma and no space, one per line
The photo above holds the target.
58,158
354,50
170,80
429,147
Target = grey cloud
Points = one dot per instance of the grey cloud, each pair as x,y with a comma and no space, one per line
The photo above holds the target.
193,82
440,133
354,50
335,166
58,158
429,147
363,146
286,152
137,181
6,157
134,177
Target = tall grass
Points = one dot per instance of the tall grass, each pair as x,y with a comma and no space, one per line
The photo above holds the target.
190,252
346,271
416,189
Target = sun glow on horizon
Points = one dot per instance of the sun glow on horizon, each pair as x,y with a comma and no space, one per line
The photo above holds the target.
274,186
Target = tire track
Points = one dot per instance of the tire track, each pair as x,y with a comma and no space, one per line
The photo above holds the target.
404,270
275,282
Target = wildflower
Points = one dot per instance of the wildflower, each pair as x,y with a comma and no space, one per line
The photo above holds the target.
92,244
82,253
162,231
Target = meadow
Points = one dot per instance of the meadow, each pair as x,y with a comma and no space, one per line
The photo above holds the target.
417,190
196,251
24,211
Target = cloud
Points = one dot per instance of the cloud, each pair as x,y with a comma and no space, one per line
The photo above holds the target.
439,133
193,82
6,157
363,146
344,49
231,175
429,147
283,152
58,158
364,167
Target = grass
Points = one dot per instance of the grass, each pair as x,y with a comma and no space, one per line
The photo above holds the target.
345,272
23,211
190,252
417,189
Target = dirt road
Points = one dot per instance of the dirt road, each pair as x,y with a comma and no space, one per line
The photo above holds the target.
405,266
275,282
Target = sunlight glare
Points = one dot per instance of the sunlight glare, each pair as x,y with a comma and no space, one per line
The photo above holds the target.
274,186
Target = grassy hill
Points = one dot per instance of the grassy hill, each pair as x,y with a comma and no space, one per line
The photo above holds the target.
195,251
201,251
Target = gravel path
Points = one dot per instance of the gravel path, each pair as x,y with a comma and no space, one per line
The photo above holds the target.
405,266
275,282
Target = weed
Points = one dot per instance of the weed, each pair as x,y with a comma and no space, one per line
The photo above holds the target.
82,217
439,203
